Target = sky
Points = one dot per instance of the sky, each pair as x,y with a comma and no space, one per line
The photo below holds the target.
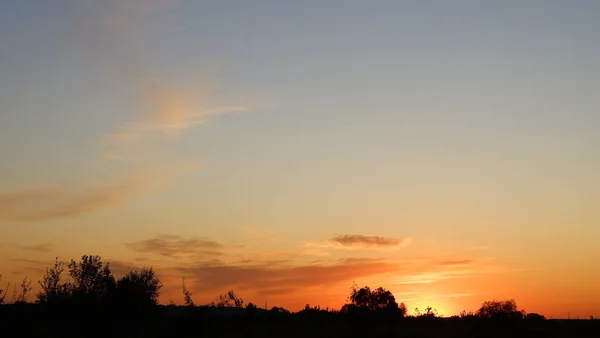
447,151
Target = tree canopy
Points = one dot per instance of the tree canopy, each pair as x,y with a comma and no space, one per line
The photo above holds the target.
376,300
500,309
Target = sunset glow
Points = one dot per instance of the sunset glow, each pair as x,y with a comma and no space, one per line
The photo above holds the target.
447,151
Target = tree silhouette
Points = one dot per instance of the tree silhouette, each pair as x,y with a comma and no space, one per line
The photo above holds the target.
534,316
229,300
138,289
92,281
187,296
3,292
428,312
380,299
53,291
403,309
500,310
279,310
25,287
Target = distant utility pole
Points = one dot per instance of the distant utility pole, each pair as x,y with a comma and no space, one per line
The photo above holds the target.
569,315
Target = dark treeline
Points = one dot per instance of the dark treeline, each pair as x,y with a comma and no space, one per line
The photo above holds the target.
90,301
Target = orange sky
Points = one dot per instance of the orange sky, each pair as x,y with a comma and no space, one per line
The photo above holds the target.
264,269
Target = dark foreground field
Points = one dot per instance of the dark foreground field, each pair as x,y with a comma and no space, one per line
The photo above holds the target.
34,320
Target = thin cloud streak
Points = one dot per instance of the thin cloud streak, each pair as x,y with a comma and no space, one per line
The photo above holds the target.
422,278
42,247
266,278
350,241
173,112
177,247
457,262
108,34
456,295
111,34
56,202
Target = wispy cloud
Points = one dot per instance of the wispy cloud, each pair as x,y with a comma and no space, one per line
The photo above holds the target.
35,262
112,35
177,247
171,112
455,295
31,265
120,268
109,33
42,247
456,262
264,278
55,202
361,242
265,281
422,278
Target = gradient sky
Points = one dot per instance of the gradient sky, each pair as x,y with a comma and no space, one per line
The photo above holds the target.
446,150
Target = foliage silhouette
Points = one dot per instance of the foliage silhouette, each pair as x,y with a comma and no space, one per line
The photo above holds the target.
428,312
25,288
229,300
506,309
52,290
534,317
276,309
3,292
403,309
187,296
92,281
138,289
312,309
378,300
